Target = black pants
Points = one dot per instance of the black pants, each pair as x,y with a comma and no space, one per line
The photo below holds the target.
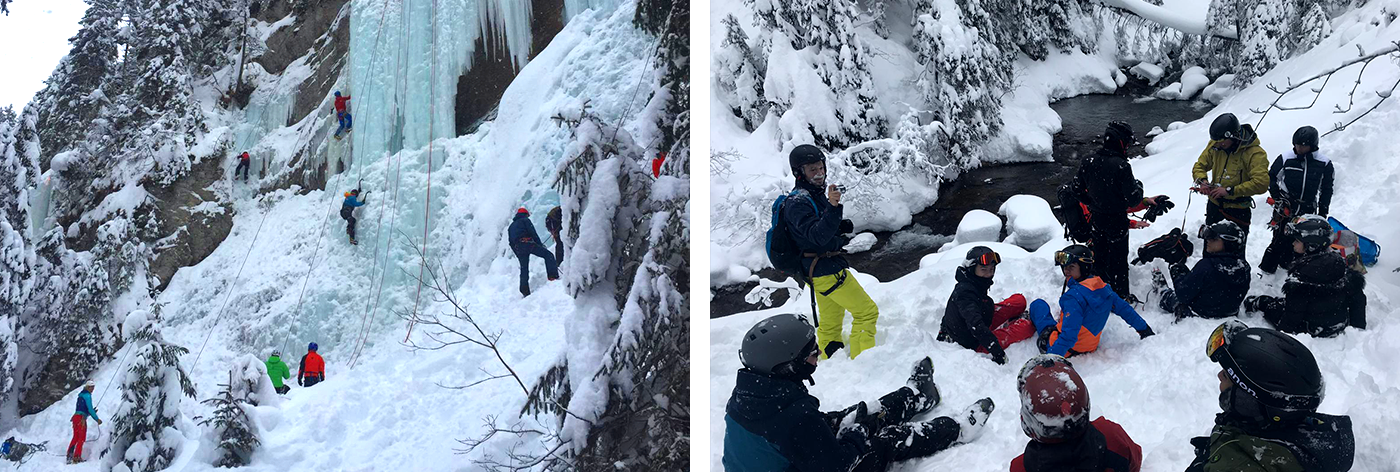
1111,258
283,389
523,252
311,380
1215,213
349,214
1279,253
242,167
558,248
896,439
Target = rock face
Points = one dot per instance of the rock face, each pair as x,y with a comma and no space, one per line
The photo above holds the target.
192,219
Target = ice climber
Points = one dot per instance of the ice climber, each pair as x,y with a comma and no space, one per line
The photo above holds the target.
278,371
811,217
1238,169
1323,294
85,411
1300,183
312,369
524,242
1055,415
971,319
1216,286
1112,194
1084,307
347,211
342,115
243,160
554,224
1270,388
771,423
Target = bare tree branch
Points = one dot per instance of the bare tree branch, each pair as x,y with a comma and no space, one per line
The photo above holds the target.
1362,58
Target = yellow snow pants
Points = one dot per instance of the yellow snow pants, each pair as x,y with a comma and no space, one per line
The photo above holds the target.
849,296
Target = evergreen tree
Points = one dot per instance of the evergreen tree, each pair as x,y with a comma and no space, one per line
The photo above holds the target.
1314,27
232,425
150,406
672,26
77,90
1263,38
963,81
739,72
16,257
161,119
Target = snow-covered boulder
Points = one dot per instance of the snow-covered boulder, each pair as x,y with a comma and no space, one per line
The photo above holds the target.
1220,90
1119,77
1193,80
1170,92
861,243
978,225
1029,220
1175,125
1148,71
1156,130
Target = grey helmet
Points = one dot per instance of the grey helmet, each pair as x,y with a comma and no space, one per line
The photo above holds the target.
777,341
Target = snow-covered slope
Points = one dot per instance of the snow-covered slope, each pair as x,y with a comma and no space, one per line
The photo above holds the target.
287,276
1162,390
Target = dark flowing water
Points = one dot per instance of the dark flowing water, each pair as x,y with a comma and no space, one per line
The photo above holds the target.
897,253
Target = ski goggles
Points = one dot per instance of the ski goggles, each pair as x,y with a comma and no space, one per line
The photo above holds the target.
1221,338
1205,233
988,259
1063,258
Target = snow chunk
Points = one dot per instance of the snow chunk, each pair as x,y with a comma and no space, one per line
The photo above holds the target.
1175,125
136,321
1029,221
1192,81
1156,130
861,243
63,160
978,225
1149,71
1220,90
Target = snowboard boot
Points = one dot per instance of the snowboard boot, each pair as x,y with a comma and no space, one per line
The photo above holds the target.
921,382
972,420
1133,300
1159,281
1251,303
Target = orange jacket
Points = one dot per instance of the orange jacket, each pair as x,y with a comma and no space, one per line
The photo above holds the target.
311,366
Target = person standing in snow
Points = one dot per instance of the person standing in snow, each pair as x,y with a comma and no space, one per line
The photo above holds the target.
525,242
554,223
812,217
278,371
312,369
1055,415
1270,388
1216,286
85,411
773,424
1112,194
243,160
1322,295
1084,308
1300,182
342,115
971,319
1238,169
347,211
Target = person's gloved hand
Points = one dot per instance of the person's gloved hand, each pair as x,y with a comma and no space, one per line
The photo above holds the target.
998,354
832,347
1138,224
1043,340
299,382
854,435
1145,332
847,227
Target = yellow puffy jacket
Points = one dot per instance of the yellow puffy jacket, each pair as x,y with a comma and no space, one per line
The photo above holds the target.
1246,170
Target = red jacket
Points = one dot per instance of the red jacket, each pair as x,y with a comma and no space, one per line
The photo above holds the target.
340,102
1121,454
243,156
312,366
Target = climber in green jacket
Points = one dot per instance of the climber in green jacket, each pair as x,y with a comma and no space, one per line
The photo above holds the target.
278,371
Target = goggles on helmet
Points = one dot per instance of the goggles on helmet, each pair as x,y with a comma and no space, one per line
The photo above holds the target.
1205,233
1221,338
1063,258
989,258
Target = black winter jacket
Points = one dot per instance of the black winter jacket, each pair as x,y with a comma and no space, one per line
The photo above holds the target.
1112,190
967,319
1306,181
1216,286
1315,295
785,418
816,227
522,231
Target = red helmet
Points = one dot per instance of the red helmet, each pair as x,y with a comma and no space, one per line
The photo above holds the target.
1054,400
522,210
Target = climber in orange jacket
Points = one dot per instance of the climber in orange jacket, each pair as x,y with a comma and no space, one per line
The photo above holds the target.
313,369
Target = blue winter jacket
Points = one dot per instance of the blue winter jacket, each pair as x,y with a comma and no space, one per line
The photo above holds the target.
352,202
774,425
1085,306
1216,286
816,227
85,406
522,231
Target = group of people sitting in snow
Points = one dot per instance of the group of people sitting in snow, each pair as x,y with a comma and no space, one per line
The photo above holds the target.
1270,383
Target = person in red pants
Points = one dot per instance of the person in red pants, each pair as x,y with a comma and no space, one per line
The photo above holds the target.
972,320
85,410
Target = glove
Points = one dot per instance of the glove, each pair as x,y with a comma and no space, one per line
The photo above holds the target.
855,436
832,347
1043,341
1145,332
998,354
1139,224
847,227
299,382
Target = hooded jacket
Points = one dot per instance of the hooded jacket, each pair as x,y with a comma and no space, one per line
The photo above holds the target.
1316,295
277,370
522,231
1318,443
1084,311
815,226
967,319
1305,180
1246,169
1104,447
773,424
1108,180
1216,286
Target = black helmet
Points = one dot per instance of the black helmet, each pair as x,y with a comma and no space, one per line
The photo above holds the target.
803,155
772,346
1306,135
1120,132
1225,230
1076,253
1275,377
1314,231
1225,126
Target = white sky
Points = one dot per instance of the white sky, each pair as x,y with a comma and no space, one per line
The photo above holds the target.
34,38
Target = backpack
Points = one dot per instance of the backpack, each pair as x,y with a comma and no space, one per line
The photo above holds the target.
1367,249
1172,247
1073,211
782,250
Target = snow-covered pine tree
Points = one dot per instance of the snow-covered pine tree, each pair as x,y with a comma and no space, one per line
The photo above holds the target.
672,92
232,425
739,73
75,93
159,112
145,431
1263,36
1314,26
16,256
965,72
